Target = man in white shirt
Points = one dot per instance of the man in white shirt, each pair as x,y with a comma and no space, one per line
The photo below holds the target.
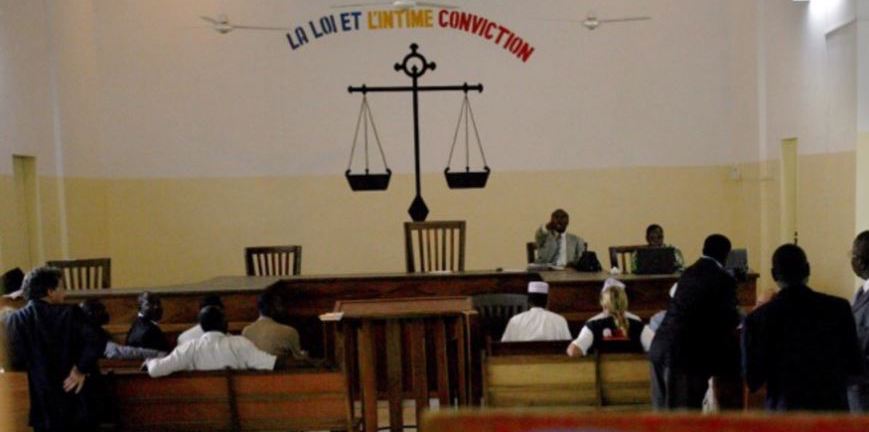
537,323
214,350
196,331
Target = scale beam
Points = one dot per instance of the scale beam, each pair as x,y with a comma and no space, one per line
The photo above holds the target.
465,88
414,65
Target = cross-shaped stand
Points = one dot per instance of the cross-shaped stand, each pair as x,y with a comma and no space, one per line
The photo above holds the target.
415,65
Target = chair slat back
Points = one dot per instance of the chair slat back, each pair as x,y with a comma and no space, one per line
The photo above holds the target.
495,311
439,246
85,274
531,252
621,257
273,260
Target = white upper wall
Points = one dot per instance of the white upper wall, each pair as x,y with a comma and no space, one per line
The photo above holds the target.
810,61
25,93
177,99
863,65
145,89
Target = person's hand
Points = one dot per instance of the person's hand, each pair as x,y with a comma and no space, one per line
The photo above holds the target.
573,350
550,226
75,381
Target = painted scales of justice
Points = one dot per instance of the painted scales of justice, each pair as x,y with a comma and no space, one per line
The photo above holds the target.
415,66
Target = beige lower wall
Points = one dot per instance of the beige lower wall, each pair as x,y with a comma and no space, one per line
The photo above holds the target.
161,231
164,231
14,238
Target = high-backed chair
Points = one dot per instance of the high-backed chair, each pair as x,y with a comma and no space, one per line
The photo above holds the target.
273,260
85,274
495,311
531,252
620,256
439,246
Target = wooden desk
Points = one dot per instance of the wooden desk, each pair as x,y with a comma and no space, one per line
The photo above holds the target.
411,327
573,294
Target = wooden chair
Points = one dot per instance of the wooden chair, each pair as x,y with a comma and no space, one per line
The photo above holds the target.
531,252
440,246
621,257
85,274
273,260
495,311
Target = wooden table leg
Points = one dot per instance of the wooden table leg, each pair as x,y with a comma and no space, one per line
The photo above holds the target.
393,374
441,361
368,375
419,367
459,324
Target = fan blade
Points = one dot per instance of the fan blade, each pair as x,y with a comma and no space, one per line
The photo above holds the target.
210,20
353,5
435,5
249,27
627,19
560,20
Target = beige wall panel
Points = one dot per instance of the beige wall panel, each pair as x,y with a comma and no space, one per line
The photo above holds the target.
175,230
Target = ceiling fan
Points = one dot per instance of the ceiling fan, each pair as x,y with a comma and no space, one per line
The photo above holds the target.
221,24
592,21
399,4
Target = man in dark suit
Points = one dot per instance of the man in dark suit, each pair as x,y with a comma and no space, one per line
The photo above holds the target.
145,333
801,344
58,348
858,392
697,339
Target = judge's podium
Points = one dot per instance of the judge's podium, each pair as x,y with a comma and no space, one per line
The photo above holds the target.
396,347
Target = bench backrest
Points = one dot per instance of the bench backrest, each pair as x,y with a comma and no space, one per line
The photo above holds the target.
14,402
291,401
545,380
190,400
232,401
558,380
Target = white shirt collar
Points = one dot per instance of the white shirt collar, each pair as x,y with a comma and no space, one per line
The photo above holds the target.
866,286
713,260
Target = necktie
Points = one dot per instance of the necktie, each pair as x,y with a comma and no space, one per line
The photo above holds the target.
860,292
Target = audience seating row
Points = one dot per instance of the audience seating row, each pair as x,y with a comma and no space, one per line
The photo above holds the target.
297,400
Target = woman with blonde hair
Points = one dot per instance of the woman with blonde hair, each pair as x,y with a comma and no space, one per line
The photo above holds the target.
613,329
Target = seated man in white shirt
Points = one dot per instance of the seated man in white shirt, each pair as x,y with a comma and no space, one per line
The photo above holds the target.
214,350
537,323
196,331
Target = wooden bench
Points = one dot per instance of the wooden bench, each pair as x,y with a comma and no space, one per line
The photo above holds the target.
14,402
303,399
524,420
604,380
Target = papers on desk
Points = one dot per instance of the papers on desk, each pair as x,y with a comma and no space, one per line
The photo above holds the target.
440,271
332,316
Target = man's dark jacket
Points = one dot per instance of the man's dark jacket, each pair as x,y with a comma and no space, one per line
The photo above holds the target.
803,346
145,334
698,335
47,340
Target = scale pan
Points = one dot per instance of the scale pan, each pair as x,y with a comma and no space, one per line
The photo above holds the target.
368,182
467,179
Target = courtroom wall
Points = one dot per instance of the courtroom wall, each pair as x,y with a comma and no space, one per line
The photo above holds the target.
180,145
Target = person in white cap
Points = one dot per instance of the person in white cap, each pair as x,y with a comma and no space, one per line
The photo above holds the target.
614,327
537,323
